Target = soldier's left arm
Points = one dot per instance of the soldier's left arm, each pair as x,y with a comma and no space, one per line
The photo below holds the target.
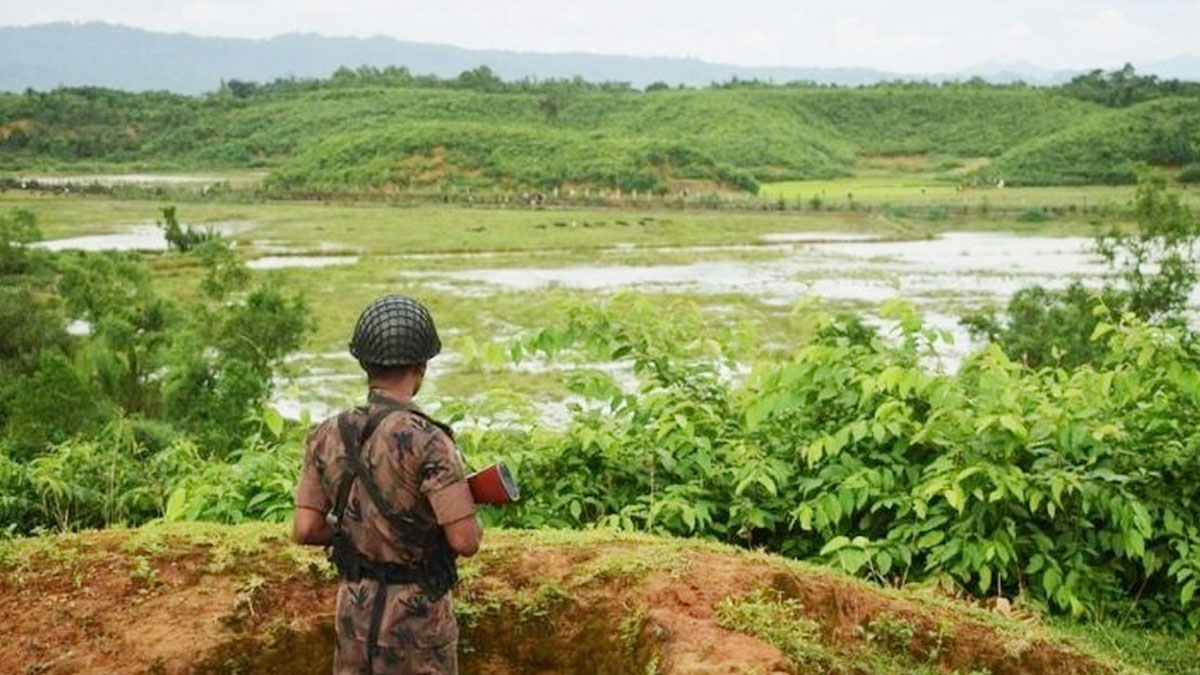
444,483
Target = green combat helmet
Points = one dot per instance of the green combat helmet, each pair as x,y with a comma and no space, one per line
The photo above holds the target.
395,331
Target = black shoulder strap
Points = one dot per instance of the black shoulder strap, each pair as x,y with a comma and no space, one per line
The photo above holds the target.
353,441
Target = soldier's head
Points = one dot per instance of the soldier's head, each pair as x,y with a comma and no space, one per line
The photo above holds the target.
393,339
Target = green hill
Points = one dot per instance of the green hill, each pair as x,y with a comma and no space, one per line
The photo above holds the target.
630,141
962,121
334,136
1105,148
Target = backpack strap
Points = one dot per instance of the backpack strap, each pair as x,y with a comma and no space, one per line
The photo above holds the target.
353,440
441,572
344,556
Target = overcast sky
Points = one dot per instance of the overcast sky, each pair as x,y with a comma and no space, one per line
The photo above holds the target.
911,35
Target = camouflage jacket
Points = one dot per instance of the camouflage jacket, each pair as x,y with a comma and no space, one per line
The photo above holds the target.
411,459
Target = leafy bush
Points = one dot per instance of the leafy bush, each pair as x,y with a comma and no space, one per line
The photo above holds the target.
1125,87
204,366
1067,488
1152,272
119,476
1190,173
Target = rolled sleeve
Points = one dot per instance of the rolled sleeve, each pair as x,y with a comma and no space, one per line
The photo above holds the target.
310,493
444,480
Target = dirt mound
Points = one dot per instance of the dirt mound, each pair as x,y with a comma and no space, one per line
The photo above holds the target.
211,599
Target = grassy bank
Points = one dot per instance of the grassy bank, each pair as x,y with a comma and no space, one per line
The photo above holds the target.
207,598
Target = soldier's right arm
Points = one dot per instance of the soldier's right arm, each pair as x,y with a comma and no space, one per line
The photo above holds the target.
311,505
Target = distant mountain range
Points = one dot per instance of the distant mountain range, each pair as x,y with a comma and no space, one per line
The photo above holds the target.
49,55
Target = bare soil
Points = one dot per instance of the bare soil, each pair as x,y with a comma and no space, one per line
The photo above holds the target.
207,599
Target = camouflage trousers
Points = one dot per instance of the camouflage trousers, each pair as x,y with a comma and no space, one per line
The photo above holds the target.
415,636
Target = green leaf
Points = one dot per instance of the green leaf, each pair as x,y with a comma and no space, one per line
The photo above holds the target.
985,579
931,538
176,504
805,516
273,421
1014,425
1101,330
689,518
883,562
1187,593
837,543
852,559
1051,580
1135,545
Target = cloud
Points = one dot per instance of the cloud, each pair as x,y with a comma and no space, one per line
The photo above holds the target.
916,36
858,42
1110,24
1108,37
1018,32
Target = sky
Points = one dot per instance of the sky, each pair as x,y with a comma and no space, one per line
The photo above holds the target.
920,36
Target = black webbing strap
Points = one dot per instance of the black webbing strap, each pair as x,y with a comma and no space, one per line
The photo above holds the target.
353,441
376,622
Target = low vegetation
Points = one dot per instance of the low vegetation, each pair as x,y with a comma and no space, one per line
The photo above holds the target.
376,132
1107,148
112,390
208,599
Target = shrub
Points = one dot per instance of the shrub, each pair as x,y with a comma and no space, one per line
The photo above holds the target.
182,238
1063,486
1152,272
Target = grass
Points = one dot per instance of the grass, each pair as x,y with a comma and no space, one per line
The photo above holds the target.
385,229
929,189
1147,650
258,556
910,192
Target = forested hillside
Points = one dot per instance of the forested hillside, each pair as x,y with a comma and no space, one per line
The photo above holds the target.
373,130
1104,149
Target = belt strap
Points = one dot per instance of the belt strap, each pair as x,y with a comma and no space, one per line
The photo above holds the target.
376,622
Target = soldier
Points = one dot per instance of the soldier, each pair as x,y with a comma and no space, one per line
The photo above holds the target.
384,486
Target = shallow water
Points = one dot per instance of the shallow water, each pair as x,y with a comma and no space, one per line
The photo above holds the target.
968,266
816,237
145,237
136,238
125,179
981,252
285,261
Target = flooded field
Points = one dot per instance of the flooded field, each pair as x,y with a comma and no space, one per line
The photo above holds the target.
235,178
944,275
966,266
146,237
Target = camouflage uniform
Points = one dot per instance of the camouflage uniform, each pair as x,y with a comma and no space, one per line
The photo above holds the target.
412,460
